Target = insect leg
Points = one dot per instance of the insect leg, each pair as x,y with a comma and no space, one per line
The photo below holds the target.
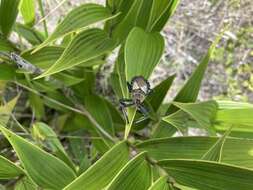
143,110
123,104
129,86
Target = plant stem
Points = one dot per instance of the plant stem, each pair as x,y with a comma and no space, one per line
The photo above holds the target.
83,111
43,15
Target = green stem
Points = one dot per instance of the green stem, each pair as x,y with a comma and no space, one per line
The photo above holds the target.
43,15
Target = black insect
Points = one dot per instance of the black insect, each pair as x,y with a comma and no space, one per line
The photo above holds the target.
139,89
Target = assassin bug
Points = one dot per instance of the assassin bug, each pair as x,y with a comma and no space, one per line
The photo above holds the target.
139,89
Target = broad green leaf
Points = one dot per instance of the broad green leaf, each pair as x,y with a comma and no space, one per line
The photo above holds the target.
42,132
25,184
233,105
129,21
237,114
135,175
202,112
5,45
235,150
215,152
142,53
27,10
178,120
45,57
87,45
161,12
240,116
161,184
163,129
101,173
97,107
159,92
8,169
206,175
118,77
6,110
79,18
44,169
33,36
8,14
190,90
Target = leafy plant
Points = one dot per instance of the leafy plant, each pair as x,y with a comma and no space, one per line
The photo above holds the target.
77,138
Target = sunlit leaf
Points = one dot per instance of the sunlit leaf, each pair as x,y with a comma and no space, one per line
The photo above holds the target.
206,175
25,184
160,184
202,112
45,57
161,12
100,174
84,47
42,132
6,110
79,18
8,169
27,9
142,53
215,152
135,175
45,170
235,151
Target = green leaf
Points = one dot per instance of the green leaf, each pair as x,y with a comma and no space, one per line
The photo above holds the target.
190,90
233,105
98,109
161,12
44,169
215,152
27,9
142,53
206,175
6,110
240,116
236,151
202,112
25,184
42,132
130,13
8,14
178,120
37,105
160,184
79,18
7,72
85,46
159,92
99,175
9,170
135,175
33,36
45,57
